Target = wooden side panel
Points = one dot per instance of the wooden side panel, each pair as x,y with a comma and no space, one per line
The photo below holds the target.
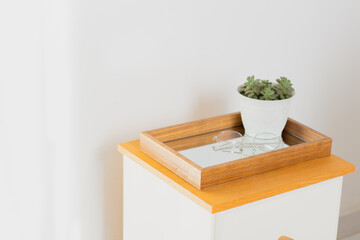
264,162
197,127
171,159
291,139
303,131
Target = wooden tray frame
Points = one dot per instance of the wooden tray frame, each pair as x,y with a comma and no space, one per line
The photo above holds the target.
163,145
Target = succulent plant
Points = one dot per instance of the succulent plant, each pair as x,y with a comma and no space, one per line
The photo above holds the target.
266,90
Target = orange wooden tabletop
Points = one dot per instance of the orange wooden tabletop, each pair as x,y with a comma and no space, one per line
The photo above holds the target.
245,190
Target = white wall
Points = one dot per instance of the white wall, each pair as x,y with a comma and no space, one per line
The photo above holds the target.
25,201
111,69
38,199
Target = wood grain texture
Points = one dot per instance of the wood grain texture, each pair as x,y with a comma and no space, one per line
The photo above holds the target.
199,140
303,131
163,145
265,162
196,127
171,159
245,190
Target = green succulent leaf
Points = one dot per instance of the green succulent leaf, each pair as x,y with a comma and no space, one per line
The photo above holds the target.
266,90
251,79
284,82
268,93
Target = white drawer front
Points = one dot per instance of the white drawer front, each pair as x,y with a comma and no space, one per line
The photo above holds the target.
309,213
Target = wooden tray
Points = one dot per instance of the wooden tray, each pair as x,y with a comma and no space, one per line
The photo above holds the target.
164,144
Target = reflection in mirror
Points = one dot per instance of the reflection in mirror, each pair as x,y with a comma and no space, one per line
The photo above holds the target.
212,148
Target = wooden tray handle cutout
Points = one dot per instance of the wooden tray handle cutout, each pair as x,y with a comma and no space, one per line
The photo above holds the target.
285,238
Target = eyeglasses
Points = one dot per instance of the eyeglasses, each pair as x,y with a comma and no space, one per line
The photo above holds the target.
235,142
228,141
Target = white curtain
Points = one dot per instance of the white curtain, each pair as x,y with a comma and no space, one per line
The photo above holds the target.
37,194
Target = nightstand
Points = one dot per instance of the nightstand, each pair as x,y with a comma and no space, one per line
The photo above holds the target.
301,201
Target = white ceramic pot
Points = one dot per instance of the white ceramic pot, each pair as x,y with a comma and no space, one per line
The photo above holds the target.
260,116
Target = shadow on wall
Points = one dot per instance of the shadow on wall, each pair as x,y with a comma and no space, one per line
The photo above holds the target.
209,104
113,192
205,105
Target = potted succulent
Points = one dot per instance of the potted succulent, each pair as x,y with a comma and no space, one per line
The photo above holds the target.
265,105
